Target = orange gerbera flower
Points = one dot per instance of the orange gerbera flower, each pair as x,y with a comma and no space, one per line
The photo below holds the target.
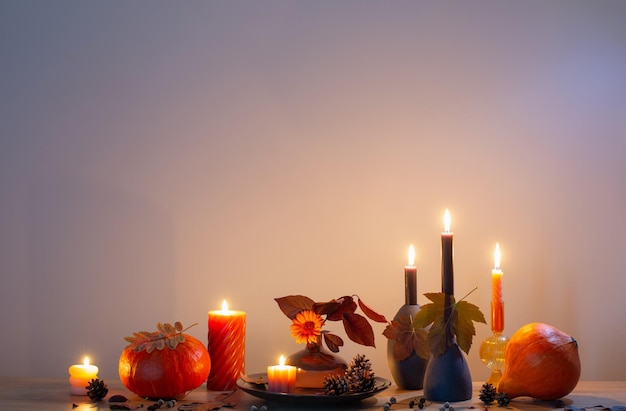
307,326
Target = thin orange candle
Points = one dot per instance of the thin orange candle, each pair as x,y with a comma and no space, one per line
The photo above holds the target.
226,346
281,378
80,376
497,302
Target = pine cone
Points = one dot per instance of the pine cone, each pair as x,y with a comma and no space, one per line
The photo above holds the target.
334,385
503,399
360,374
97,389
487,393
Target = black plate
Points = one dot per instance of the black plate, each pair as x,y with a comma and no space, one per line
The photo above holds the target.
308,396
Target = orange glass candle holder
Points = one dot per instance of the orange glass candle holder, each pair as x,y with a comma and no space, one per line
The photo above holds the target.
493,348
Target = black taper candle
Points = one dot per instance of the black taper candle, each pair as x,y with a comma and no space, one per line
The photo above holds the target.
410,285
447,268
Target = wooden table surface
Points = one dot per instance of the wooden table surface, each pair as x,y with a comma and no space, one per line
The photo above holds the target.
53,394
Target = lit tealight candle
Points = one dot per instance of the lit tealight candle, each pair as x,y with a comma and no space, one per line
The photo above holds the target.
226,346
80,375
281,378
497,302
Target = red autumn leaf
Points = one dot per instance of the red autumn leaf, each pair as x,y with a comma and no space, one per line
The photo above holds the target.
291,305
394,330
347,306
408,338
358,329
327,307
333,342
371,314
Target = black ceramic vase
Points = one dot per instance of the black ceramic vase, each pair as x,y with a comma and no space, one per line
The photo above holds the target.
447,377
408,374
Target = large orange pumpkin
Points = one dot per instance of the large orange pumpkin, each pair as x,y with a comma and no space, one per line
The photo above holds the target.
164,364
540,361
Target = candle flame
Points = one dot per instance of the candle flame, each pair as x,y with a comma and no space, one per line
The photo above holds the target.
224,306
281,361
446,221
411,255
496,257
86,361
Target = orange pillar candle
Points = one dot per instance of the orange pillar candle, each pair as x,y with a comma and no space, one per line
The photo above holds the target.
281,378
497,302
226,346
80,376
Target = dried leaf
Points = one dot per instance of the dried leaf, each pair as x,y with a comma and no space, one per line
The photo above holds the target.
371,314
408,338
327,307
394,330
333,342
358,329
291,305
168,335
347,306
255,381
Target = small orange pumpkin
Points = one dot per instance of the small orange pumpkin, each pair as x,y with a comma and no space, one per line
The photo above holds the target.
164,364
540,361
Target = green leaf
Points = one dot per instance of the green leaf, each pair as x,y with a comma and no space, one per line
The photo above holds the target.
427,314
437,337
460,324
420,345
467,314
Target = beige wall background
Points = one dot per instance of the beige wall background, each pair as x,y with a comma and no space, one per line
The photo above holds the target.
158,157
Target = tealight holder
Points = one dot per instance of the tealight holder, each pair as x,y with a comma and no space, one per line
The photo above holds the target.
493,348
